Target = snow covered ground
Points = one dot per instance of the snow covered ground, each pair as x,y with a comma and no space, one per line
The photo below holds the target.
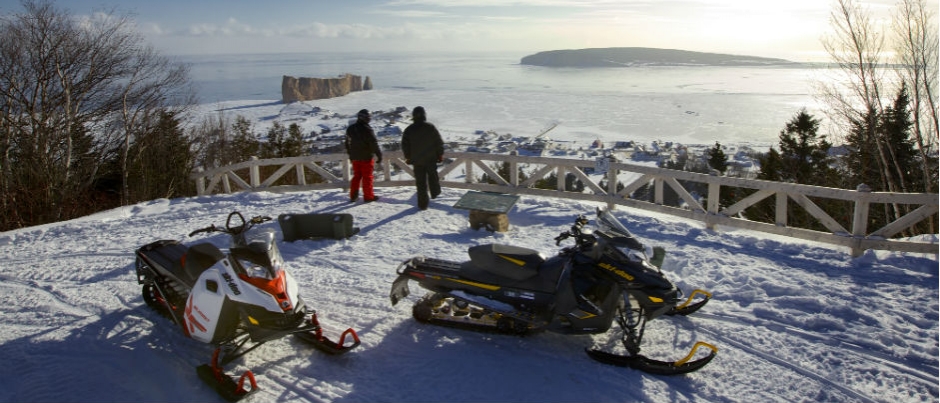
793,321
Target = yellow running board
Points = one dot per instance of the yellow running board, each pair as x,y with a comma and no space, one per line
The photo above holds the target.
694,349
692,295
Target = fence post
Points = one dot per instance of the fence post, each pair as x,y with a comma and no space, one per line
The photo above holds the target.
612,172
254,173
780,211
714,196
860,218
200,182
468,166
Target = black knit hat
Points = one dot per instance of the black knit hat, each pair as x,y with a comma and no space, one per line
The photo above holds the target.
418,114
364,114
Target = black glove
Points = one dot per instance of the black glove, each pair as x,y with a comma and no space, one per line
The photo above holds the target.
408,161
378,160
440,158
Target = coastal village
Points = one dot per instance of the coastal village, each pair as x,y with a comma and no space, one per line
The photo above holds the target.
326,130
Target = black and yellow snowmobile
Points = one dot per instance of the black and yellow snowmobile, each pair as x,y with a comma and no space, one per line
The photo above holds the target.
605,277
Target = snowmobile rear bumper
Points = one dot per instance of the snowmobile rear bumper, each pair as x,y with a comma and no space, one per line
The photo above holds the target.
399,289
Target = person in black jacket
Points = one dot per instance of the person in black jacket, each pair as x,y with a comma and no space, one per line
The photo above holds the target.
361,145
423,148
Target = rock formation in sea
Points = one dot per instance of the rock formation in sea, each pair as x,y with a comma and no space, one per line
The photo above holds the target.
295,89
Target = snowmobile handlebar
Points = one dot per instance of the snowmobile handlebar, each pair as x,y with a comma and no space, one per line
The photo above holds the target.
582,239
235,229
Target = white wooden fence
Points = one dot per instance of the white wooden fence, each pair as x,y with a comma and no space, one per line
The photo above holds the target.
333,171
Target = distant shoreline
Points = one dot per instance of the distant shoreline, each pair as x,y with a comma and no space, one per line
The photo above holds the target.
633,57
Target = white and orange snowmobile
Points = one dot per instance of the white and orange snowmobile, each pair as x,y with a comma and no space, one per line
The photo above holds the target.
236,301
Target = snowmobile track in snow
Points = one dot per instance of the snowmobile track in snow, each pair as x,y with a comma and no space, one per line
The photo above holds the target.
851,393
919,370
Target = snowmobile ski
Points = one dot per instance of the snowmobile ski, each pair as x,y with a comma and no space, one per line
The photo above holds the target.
226,386
320,342
688,306
649,365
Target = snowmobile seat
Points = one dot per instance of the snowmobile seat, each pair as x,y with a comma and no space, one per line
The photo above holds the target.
316,226
197,259
512,262
546,281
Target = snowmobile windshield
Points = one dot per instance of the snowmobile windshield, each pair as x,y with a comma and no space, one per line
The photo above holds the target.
608,223
260,258
620,239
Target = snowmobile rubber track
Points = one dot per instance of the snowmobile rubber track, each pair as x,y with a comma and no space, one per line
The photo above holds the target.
513,323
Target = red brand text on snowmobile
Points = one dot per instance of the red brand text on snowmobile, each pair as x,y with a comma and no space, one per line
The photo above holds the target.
231,283
192,319
616,271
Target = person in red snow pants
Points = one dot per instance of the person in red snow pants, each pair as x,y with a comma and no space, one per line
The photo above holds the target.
361,145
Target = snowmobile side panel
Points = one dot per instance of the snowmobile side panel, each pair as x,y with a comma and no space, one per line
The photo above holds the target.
204,308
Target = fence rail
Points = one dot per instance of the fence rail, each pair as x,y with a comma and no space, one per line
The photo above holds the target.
333,171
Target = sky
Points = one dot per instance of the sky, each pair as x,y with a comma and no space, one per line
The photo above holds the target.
789,29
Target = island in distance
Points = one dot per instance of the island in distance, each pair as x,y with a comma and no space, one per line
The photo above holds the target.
628,57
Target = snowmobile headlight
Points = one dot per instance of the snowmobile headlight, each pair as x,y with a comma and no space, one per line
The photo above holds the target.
253,269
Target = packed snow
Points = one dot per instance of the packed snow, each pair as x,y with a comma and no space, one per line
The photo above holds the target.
793,321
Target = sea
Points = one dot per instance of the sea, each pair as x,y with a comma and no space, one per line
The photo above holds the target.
465,93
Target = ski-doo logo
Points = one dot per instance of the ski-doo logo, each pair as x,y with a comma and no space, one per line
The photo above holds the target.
616,271
231,283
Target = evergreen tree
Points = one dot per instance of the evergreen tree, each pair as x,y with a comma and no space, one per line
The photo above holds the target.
573,184
896,127
277,135
162,161
717,159
771,166
804,155
244,141
294,145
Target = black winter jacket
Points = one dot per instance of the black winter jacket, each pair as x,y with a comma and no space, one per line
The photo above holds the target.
361,143
422,144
